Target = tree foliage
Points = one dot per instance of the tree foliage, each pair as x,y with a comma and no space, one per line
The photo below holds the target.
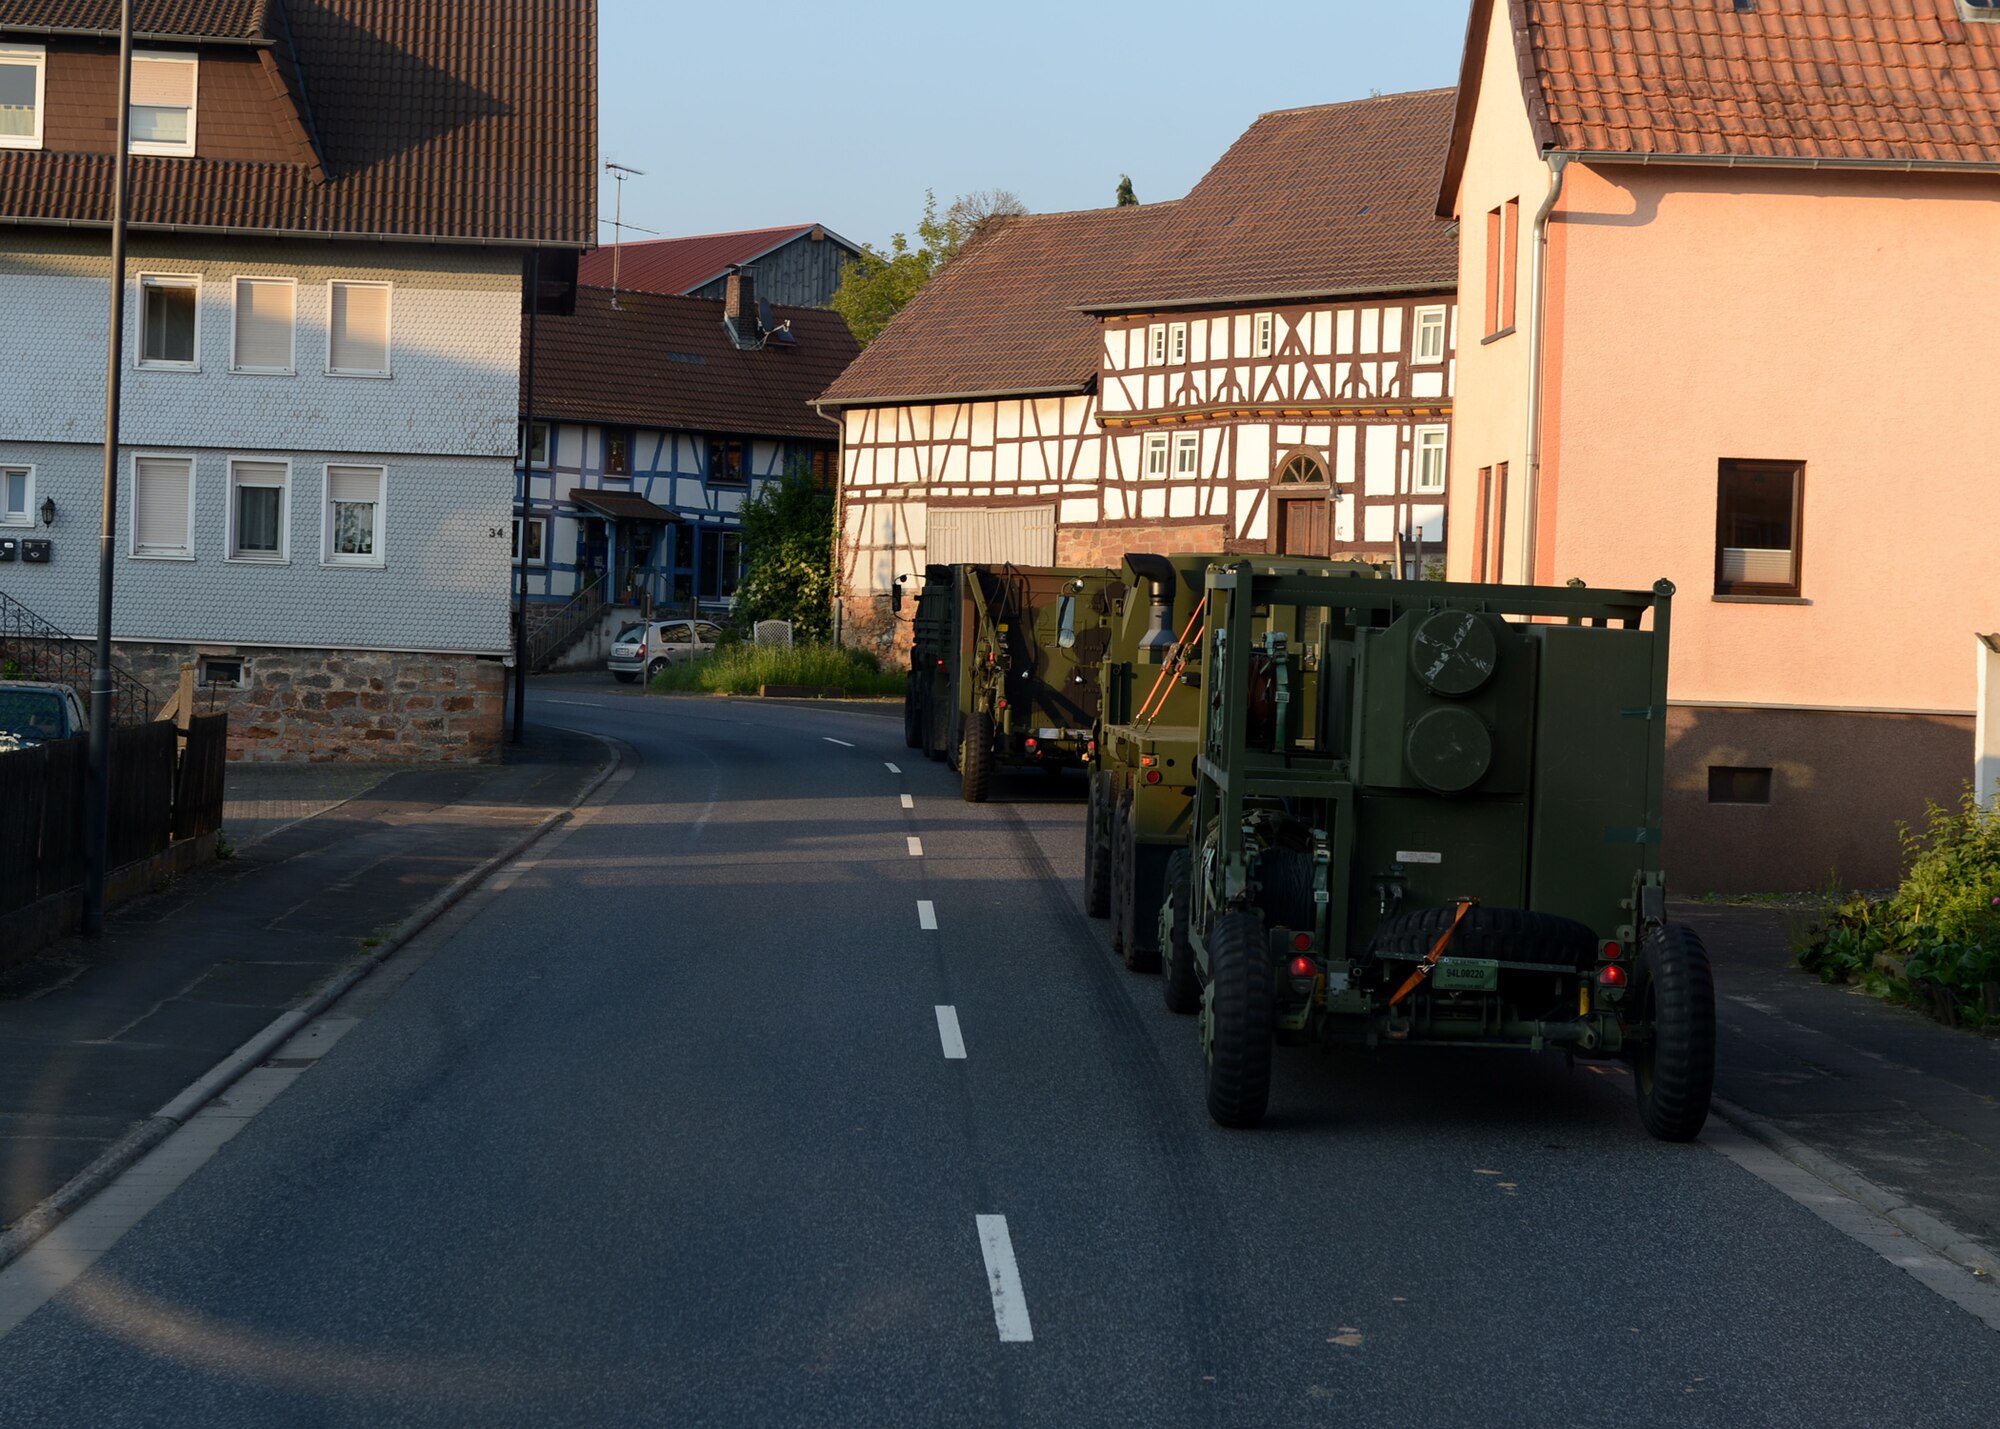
1126,197
788,556
879,284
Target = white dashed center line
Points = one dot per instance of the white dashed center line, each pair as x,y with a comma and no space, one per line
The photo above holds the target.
949,1035
841,742
916,847
908,802
926,914
892,768
1003,1278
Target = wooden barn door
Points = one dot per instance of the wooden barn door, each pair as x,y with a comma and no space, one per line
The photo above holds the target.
1305,526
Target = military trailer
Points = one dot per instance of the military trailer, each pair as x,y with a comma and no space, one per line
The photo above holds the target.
1143,771
1429,813
1004,669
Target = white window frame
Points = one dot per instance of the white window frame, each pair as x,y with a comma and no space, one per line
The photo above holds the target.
37,55
27,516
167,280
1442,448
1158,442
548,461
229,551
1419,325
380,559
1177,342
536,563
1187,455
291,367
154,146
388,330
183,552
205,677
1264,334
1156,345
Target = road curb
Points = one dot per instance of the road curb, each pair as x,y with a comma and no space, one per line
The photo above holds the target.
122,1154
1919,1225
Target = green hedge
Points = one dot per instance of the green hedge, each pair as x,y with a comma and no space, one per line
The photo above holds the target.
1934,942
742,669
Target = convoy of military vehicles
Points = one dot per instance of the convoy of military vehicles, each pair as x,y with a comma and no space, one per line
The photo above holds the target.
1328,806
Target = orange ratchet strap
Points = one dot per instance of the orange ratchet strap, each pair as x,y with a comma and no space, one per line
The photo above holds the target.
1178,658
1424,968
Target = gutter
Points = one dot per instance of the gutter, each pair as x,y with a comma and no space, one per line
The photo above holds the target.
1760,161
1074,390
839,529
217,230
1537,327
1239,300
152,37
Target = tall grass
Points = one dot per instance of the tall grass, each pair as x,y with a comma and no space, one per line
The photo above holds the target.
741,669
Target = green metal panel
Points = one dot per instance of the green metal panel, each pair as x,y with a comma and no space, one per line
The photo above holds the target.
1436,851
1447,724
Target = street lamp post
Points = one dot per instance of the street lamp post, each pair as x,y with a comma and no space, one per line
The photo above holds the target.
527,503
97,777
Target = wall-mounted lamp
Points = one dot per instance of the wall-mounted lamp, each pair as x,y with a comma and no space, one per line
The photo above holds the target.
48,511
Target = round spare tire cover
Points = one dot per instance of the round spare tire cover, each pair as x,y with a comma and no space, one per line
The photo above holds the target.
1449,749
1454,652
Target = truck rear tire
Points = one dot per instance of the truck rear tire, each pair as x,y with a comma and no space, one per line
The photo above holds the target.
1182,985
1286,877
975,758
1240,1012
1135,942
1674,1070
1096,850
913,713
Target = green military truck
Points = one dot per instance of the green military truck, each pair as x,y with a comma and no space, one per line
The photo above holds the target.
1143,775
1004,669
1429,813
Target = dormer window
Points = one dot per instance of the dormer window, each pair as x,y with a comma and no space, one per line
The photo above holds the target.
1988,10
163,95
21,96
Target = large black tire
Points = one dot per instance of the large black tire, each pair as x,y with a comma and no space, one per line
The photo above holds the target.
975,758
913,713
1675,1068
1240,1010
1118,877
1096,850
1509,935
626,677
1182,984
1135,940
1286,879
655,670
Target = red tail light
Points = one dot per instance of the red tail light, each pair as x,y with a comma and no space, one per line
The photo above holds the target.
1612,976
1152,776
1302,941
1612,950
1302,968
1032,746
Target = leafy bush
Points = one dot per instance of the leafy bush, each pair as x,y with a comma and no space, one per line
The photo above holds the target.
741,669
788,557
1936,940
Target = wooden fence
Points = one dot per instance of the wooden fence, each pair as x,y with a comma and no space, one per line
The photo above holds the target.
158,794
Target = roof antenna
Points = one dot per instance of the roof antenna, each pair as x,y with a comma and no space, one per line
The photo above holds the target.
621,172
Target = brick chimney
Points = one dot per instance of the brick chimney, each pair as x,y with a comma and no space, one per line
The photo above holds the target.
739,303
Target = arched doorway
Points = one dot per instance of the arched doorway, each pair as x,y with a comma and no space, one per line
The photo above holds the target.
1304,524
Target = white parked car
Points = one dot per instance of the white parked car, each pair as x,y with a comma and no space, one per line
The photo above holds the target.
648,649
32,712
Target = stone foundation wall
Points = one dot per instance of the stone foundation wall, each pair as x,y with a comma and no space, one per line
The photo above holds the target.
322,705
1108,545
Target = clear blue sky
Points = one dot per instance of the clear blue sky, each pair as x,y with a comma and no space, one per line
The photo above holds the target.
749,116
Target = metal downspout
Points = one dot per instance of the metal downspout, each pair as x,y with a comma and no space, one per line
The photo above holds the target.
1537,322
839,515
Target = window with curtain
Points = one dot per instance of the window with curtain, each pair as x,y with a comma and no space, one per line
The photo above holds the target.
1757,527
1430,458
163,103
1430,335
169,321
354,515
264,309
162,507
257,510
21,96
358,330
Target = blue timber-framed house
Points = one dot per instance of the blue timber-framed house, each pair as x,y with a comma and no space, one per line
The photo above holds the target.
655,419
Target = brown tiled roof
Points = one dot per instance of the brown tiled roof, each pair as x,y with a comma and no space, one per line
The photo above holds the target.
181,19
447,120
680,265
1002,317
658,361
1873,81
1308,203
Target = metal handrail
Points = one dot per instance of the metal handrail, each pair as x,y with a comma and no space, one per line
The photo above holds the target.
559,632
37,650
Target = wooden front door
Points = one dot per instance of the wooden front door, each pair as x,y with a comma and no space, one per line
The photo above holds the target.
1305,526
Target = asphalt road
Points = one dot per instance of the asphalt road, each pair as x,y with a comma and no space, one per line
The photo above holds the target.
666,1132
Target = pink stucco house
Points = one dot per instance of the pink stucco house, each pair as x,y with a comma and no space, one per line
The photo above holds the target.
1728,281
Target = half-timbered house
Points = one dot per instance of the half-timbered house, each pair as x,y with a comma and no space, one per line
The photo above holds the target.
1264,365
655,419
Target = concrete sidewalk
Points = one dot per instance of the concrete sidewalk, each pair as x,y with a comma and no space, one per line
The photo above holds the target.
95,1037
1912,1105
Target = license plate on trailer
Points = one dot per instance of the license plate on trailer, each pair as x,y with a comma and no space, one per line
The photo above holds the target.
1466,975
1048,734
